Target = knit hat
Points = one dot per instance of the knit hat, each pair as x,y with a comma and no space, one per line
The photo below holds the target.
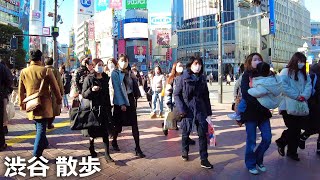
35,55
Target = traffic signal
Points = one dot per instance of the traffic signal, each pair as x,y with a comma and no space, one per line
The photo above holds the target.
14,43
54,31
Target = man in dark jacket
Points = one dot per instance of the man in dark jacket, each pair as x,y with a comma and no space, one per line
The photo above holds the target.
83,71
66,81
6,81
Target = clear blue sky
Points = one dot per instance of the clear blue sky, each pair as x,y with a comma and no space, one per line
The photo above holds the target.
66,11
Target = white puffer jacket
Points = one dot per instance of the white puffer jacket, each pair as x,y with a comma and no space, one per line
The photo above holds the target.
267,90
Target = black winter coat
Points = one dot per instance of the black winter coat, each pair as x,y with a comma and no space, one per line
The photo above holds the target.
100,99
192,97
66,80
312,124
254,111
82,73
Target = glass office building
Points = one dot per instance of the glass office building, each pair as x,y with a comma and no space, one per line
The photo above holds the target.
240,38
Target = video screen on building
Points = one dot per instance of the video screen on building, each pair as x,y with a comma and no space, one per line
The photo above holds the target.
135,30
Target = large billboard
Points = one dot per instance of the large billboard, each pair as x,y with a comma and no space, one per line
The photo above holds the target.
115,4
86,7
103,24
136,4
101,5
197,8
135,30
140,53
163,37
24,24
160,20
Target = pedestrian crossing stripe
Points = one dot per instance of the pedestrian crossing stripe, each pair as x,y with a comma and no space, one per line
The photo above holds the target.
32,135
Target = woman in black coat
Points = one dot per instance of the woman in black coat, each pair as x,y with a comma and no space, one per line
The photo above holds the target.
312,125
192,101
254,116
96,89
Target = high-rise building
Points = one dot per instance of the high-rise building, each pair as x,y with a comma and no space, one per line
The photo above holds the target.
9,12
292,21
81,39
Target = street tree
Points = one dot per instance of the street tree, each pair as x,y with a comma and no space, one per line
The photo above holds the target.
17,56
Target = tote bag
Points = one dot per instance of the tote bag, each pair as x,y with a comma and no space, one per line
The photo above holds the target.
296,108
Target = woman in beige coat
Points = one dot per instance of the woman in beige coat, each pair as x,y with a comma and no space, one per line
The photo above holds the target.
30,80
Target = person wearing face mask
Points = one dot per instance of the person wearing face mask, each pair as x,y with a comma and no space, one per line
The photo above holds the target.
254,115
191,97
111,65
96,89
125,113
147,87
177,70
296,86
158,83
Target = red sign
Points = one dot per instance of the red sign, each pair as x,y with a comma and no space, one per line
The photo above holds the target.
91,30
121,46
150,47
115,4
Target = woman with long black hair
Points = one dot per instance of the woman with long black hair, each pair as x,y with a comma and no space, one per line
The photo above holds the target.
96,88
296,87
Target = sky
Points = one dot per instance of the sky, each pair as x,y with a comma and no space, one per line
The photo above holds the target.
66,11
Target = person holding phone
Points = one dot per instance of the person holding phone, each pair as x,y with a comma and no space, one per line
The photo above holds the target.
96,89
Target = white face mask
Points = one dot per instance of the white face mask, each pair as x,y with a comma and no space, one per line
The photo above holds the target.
123,64
111,66
98,69
196,68
301,65
179,69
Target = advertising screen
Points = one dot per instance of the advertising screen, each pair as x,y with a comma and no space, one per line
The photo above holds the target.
86,7
115,4
135,30
163,37
140,53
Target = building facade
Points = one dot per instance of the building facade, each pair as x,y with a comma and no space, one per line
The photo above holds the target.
240,38
81,39
9,12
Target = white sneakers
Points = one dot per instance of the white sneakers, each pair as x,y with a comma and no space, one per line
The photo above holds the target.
234,116
261,167
254,171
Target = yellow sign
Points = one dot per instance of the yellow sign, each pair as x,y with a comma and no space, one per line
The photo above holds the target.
307,67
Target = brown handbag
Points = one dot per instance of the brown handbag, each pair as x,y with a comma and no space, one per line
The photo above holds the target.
34,100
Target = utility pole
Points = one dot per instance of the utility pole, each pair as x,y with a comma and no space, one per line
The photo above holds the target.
55,49
220,72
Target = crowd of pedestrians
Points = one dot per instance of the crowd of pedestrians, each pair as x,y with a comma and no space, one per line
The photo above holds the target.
110,93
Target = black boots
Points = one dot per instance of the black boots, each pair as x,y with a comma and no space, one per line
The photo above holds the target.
93,153
115,145
302,141
139,153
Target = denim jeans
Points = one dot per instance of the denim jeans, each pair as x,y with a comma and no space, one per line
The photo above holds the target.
252,158
155,97
202,127
65,100
41,141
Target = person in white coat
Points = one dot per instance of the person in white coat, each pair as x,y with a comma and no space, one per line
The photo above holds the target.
296,90
266,87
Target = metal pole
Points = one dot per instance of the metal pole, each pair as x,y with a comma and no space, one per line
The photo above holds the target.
220,73
55,49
